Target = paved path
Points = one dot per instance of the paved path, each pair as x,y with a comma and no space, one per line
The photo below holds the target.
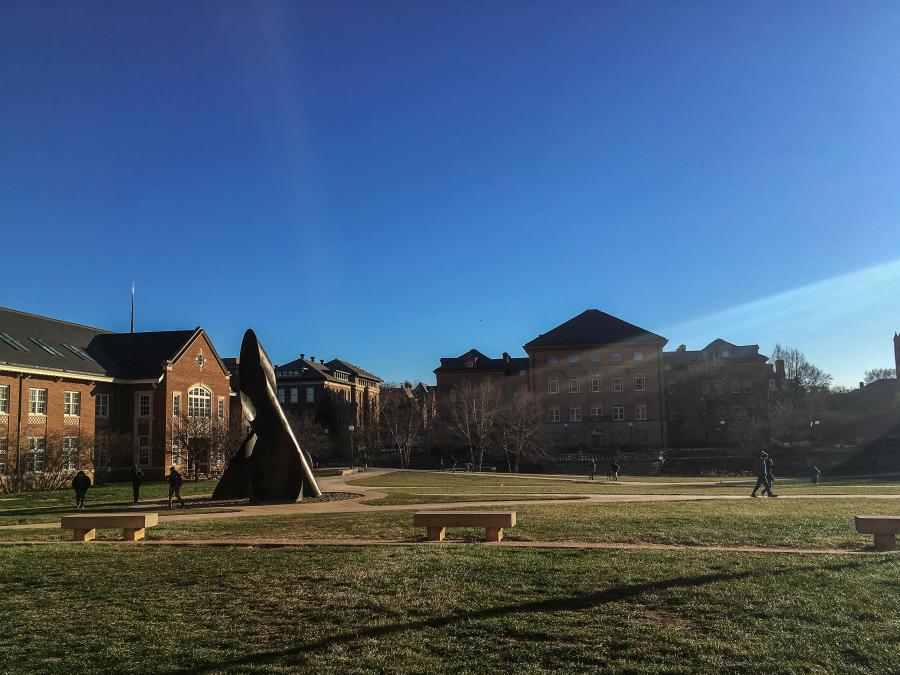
301,543
340,484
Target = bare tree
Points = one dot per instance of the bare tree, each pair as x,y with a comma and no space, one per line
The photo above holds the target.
46,462
314,438
402,420
879,374
471,416
802,396
198,441
519,424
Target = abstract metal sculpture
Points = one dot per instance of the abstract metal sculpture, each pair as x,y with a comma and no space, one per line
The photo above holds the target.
269,466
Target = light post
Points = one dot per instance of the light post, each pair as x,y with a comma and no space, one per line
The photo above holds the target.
813,427
566,435
351,428
631,432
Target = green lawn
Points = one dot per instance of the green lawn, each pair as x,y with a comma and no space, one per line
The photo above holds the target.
98,609
820,524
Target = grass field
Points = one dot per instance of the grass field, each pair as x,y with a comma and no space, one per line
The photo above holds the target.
90,609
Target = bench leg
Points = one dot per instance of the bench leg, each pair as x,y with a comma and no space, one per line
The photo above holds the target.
84,535
134,534
436,533
494,533
885,542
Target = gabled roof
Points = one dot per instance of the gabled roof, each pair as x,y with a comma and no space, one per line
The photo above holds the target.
19,332
141,356
340,364
594,327
718,350
480,362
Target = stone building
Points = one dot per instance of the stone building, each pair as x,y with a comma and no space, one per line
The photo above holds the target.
74,396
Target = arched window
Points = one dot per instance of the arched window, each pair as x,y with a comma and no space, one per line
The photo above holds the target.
199,402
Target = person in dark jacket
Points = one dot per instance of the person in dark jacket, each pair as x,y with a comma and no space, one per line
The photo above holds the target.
137,477
593,468
175,481
770,472
814,474
762,475
80,484
614,471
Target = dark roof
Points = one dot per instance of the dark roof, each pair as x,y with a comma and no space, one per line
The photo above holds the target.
481,363
141,356
714,351
340,364
23,329
594,327
78,349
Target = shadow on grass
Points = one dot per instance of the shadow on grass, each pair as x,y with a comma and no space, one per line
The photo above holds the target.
570,603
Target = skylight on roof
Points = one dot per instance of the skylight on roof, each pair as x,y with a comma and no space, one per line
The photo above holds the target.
79,352
12,342
43,345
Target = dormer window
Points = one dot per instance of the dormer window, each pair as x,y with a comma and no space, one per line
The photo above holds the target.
551,359
725,353
470,363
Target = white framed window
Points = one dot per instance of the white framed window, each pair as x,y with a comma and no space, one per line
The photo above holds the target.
200,402
596,412
595,357
72,403
637,356
4,399
281,398
575,413
220,408
176,404
470,363
772,386
37,402
574,385
748,386
101,452
736,387
725,353
553,384
615,357
4,444
617,383
144,405
310,395
70,454
34,457
618,412
596,383
144,450
554,415
720,387
737,412
573,358
295,395
176,452
101,406
640,411
639,382
551,358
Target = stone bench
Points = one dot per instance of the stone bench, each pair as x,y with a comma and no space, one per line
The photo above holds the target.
437,522
85,525
885,529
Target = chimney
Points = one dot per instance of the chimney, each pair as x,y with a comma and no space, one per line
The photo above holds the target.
862,384
303,356
312,358
681,348
779,368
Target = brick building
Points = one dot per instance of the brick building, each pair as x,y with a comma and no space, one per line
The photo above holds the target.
718,394
72,396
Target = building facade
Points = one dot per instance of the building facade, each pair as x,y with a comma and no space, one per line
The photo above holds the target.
76,397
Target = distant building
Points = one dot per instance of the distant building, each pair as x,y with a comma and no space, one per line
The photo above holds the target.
719,393
64,386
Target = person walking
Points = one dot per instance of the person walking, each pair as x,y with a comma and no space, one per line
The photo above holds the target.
770,472
593,468
175,481
614,471
762,475
80,484
814,474
137,477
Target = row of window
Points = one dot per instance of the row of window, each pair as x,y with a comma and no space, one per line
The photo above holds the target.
595,357
735,386
618,413
293,392
617,383
36,453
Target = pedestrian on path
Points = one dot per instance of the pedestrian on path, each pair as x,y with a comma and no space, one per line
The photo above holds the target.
593,468
137,477
814,474
175,481
770,472
762,475
614,471
80,484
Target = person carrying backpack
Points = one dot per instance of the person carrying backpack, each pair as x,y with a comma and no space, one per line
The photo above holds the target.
80,484
175,481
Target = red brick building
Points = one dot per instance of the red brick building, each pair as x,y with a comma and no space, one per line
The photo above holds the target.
73,396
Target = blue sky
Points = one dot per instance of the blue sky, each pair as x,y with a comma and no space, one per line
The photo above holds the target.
393,182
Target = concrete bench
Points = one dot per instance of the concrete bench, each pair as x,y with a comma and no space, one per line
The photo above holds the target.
437,522
85,524
885,529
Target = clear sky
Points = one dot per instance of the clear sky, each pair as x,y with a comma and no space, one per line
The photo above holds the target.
393,182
